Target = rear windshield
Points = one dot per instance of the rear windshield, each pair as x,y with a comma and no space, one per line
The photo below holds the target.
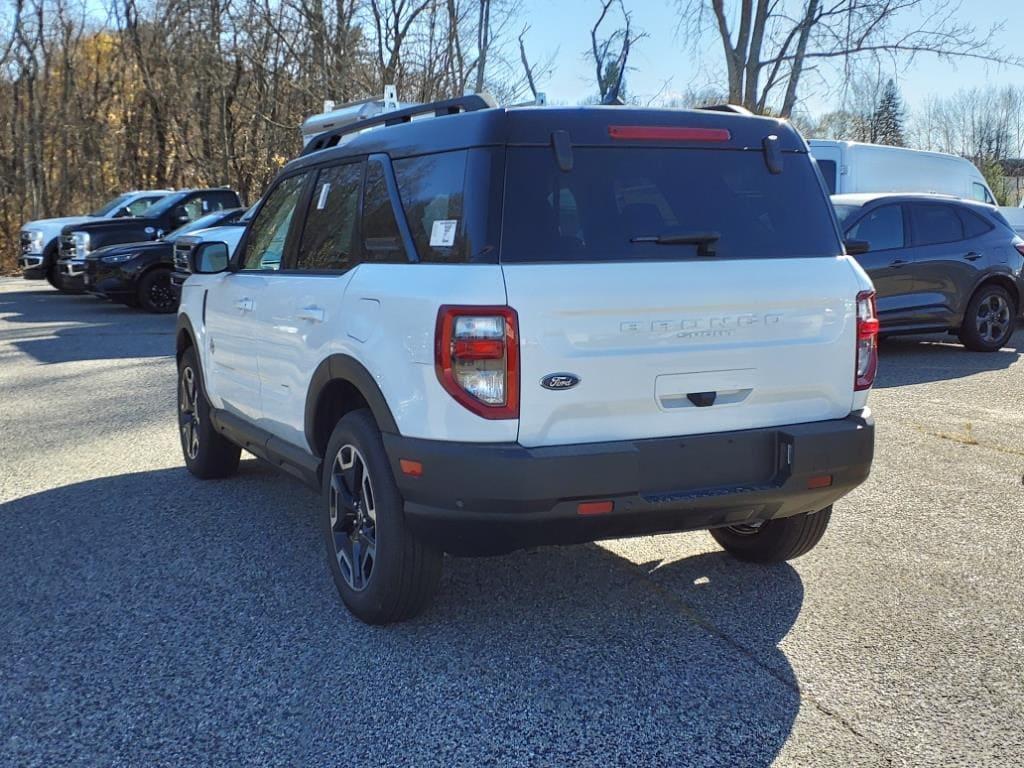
616,203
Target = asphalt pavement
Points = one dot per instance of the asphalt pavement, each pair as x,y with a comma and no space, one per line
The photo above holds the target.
150,619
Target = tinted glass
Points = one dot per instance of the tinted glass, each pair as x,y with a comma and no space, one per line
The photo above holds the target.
615,202
431,189
935,224
882,228
828,171
974,225
382,241
141,205
268,232
209,220
111,205
165,204
981,194
844,212
328,240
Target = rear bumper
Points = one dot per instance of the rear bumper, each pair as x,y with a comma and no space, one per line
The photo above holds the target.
492,498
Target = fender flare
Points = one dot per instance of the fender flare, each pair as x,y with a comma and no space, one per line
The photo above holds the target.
183,329
341,367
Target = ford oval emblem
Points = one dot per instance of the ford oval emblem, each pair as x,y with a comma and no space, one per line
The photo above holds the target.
560,381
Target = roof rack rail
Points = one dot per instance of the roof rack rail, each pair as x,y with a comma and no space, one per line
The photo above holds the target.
333,136
734,108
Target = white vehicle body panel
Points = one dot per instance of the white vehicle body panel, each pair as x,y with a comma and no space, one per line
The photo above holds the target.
877,168
774,337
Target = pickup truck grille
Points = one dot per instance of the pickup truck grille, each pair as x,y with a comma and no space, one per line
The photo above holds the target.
67,246
181,251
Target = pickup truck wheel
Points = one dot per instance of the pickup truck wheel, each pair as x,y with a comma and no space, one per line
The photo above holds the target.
774,541
155,293
52,275
989,320
208,454
383,571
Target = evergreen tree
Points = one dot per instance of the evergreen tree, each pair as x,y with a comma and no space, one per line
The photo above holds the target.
886,122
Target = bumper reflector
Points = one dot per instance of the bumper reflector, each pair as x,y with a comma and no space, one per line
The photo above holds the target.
411,468
595,507
820,481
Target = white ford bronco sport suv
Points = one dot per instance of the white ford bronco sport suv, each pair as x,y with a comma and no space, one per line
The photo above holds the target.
500,328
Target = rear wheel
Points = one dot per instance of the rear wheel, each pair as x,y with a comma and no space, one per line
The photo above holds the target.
383,571
774,541
208,454
989,320
155,293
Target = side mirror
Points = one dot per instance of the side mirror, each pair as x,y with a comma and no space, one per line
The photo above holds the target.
123,213
209,258
857,247
179,216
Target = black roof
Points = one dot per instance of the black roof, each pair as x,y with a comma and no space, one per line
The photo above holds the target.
533,126
861,199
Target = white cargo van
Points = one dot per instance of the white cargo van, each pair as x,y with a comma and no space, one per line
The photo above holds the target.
850,167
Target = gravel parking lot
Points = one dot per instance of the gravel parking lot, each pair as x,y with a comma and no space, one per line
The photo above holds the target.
150,619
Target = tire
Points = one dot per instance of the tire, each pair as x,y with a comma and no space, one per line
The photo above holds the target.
383,571
154,294
208,454
52,276
989,320
774,541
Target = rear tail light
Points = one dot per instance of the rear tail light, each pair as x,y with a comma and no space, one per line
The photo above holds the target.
867,340
477,359
1020,248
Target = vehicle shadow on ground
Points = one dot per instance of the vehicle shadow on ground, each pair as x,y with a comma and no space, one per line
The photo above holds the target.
95,330
922,359
176,621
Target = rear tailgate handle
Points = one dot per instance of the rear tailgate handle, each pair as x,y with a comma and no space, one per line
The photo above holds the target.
313,314
702,399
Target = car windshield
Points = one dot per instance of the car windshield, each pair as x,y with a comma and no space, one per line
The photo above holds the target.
844,212
623,204
162,206
112,205
209,220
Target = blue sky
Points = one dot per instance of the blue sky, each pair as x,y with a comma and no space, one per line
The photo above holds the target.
564,25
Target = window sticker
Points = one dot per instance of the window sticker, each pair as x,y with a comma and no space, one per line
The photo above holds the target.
442,234
322,200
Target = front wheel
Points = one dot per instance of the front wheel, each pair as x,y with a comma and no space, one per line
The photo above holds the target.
208,454
383,571
155,293
774,541
989,320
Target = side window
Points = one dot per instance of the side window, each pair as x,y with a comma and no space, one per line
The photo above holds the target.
209,202
882,228
974,225
141,205
934,224
828,171
268,232
431,189
382,242
328,239
981,194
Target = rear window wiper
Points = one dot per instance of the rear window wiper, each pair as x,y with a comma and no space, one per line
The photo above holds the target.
705,241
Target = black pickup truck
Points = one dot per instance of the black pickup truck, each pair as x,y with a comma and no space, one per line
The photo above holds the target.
77,241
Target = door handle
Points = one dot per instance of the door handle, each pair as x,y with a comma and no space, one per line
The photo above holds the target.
244,305
900,262
972,256
313,314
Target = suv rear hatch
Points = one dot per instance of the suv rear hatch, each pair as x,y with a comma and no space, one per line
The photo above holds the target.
688,287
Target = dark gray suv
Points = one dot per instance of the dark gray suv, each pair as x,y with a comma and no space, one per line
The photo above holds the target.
938,264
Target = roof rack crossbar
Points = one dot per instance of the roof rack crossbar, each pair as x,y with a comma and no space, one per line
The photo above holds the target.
469,103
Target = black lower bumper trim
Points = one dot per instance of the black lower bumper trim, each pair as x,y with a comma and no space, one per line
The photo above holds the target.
491,498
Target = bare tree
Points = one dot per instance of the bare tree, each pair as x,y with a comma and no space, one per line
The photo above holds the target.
770,46
611,54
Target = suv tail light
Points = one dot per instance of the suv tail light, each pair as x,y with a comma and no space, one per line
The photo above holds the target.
1020,248
867,341
477,358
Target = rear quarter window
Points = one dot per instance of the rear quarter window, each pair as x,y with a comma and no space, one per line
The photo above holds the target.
616,198
431,189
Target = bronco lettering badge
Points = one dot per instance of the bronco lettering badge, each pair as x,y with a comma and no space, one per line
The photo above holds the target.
560,381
